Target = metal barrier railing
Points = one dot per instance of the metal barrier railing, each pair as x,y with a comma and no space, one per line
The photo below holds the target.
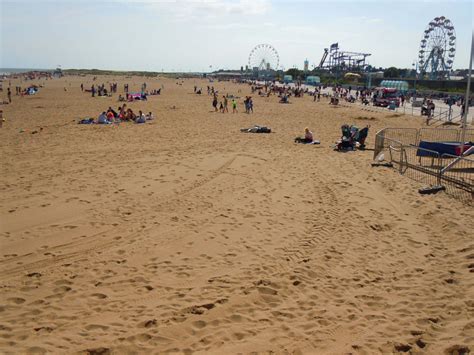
405,136
438,135
455,174
469,135
413,136
458,175
421,165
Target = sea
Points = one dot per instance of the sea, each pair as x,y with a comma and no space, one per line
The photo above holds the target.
7,71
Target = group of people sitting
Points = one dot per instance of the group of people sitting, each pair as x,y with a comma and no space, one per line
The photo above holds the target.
133,97
123,114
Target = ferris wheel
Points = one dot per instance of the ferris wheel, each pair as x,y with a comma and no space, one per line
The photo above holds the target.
264,57
437,48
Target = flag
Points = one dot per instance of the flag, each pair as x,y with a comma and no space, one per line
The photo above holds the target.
334,46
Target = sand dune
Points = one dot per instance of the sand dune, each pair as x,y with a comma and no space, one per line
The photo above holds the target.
184,235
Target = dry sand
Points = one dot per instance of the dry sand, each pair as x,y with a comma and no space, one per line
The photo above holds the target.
186,235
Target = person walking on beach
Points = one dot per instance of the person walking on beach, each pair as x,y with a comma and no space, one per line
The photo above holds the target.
225,105
82,87
9,94
246,103
214,103
234,106
93,90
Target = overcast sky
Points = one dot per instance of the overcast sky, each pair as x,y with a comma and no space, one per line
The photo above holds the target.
184,35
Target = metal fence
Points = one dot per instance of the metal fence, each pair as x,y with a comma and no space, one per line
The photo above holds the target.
438,135
440,114
455,174
413,136
459,176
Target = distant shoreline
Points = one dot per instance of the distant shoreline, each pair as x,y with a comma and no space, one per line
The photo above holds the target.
8,71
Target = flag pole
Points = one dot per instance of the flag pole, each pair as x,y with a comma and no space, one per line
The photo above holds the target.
466,101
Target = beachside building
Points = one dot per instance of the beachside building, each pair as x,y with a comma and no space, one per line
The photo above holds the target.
287,79
395,84
313,80
231,75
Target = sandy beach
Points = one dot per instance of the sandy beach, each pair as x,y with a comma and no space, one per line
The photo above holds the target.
184,235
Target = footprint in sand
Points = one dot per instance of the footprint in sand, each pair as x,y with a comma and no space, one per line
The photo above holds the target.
199,324
63,282
16,300
36,350
458,349
62,289
149,323
100,296
98,351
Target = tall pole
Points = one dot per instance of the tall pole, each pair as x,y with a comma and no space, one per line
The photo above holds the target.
466,101
416,74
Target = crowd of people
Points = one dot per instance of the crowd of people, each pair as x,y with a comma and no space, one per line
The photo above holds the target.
100,90
221,102
122,114
223,105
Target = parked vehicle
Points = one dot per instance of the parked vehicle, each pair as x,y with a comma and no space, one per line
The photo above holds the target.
386,96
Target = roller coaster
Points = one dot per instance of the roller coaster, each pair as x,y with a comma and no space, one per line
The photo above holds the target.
335,59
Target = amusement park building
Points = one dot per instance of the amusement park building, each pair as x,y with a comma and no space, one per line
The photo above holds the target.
227,75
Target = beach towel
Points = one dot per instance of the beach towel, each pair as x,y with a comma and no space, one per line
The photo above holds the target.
256,129
86,121
301,140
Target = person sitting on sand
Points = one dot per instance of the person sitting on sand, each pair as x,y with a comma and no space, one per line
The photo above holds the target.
102,119
121,98
110,109
308,137
149,117
130,116
110,116
141,118
122,112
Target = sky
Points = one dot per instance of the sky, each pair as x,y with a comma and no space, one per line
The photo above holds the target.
205,35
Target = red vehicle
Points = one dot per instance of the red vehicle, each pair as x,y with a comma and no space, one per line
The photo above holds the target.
385,96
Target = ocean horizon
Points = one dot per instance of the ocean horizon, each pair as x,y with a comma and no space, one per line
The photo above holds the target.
6,71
